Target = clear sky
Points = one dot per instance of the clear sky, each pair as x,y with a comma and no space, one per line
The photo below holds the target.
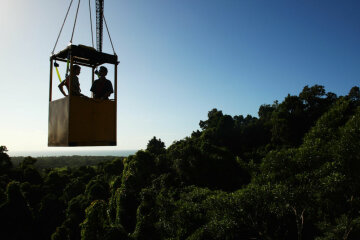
179,59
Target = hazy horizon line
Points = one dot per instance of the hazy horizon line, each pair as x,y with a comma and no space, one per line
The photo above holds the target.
70,152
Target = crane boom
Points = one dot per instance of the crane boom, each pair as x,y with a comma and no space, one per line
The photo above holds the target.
99,24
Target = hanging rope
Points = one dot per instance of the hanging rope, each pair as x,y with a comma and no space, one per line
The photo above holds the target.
62,27
109,36
77,10
68,64
92,34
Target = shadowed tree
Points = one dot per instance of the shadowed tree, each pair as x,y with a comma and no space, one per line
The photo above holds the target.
75,214
155,146
97,225
51,214
97,189
146,217
139,170
5,162
74,188
297,114
16,219
354,94
61,233
27,162
95,222
114,168
30,173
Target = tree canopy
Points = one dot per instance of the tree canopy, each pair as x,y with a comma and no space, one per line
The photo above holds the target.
292,172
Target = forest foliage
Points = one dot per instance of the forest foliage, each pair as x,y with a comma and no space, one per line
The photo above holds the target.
290,173
74,161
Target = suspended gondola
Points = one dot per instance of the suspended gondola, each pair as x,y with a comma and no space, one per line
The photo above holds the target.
76,120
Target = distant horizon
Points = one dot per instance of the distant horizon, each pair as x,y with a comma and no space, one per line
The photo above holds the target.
71,152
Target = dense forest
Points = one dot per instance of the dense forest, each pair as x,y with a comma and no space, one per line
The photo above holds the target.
290,173
63,161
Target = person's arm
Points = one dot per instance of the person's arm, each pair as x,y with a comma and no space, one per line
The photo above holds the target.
109,90
61,87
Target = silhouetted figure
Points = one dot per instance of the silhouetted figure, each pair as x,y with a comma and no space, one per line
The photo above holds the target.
75,85
102,87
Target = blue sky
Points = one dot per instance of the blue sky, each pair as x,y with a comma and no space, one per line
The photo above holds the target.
179,59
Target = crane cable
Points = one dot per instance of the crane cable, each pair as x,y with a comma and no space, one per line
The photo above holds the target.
91,27
77,11
62,27
72,35
109,35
